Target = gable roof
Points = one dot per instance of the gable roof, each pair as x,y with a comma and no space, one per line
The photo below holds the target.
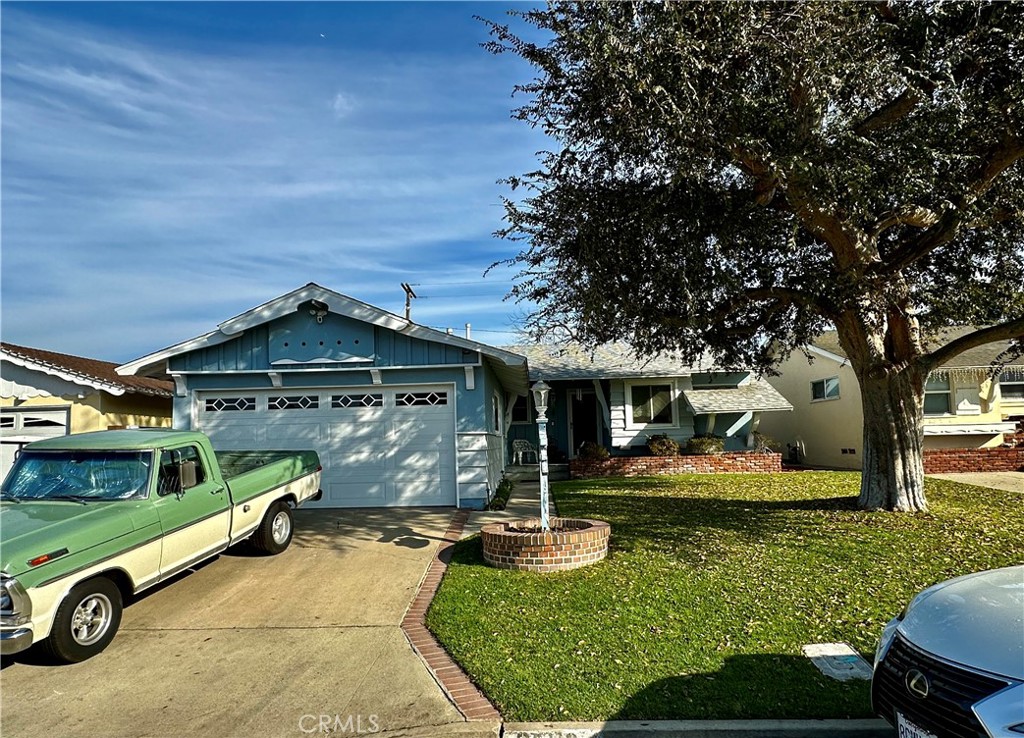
756,395
510,367
610,361
99,375
978,357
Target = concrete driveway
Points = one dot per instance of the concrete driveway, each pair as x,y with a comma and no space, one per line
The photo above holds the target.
259,646
1010,481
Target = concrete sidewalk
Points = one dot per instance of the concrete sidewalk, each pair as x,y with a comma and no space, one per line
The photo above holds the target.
703,729
523,503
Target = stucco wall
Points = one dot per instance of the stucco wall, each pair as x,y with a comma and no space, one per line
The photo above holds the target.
823,428
99,411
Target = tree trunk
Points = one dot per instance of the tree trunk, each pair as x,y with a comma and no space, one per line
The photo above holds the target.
893,463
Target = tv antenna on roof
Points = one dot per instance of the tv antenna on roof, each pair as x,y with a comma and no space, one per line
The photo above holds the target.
409,295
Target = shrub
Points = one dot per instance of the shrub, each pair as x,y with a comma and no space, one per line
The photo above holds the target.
705,444
591,451
501,494
662,445
765,444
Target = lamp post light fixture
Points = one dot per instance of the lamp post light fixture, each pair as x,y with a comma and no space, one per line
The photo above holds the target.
540,400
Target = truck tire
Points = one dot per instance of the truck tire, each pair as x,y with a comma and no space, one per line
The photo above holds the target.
275,531
86,621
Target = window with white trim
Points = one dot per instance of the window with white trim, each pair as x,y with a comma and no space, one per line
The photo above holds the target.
650,404
937,398
1011,386
368,399
421,399
825,389
222,404
521,409
496,413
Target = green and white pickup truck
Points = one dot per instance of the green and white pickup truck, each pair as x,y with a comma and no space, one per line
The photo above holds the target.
87,520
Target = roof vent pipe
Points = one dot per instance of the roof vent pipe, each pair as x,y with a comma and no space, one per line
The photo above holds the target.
451,332
468,331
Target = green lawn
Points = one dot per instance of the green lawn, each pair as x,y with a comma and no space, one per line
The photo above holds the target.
711,586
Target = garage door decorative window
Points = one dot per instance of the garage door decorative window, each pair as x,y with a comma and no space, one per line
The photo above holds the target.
367,400
294,402
417,399
219,404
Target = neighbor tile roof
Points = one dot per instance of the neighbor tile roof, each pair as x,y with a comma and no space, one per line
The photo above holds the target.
979,356
93,370
755,395
610,361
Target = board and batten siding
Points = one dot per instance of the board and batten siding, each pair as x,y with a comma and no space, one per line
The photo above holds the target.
624,436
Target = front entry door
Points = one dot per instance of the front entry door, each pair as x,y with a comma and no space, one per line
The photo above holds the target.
584,420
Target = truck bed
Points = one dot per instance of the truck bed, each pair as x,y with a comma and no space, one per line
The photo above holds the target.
252,473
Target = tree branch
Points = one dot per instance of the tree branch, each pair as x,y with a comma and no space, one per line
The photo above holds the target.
1002,157
889,113
1014,329
912,215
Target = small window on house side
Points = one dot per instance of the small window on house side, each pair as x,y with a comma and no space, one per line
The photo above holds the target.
1011,386
496,414
825,389
652,404
936,396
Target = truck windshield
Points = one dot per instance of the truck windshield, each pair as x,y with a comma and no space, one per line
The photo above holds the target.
79,475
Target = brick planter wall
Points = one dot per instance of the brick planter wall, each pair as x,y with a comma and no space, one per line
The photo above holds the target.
584,543
643,466
953,460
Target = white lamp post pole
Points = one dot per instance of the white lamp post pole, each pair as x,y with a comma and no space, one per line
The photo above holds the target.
540,400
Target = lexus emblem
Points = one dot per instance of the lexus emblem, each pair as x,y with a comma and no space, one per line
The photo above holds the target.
917,683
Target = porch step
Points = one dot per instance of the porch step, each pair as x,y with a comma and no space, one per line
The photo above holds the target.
531,472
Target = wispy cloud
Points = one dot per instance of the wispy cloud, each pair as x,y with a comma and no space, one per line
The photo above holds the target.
150,191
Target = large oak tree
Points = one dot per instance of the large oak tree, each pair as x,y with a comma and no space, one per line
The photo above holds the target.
738,177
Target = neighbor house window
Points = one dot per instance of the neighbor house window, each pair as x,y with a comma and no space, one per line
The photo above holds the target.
651,404
825,389
1011,385
936,396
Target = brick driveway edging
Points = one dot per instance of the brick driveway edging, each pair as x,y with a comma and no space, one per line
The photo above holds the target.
465,695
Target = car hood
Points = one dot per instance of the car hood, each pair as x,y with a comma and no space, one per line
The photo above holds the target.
31,529
976,620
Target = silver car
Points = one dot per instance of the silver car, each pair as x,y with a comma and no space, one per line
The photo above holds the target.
952,664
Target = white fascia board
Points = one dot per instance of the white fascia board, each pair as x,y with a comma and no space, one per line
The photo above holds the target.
827,354
53,371
153,360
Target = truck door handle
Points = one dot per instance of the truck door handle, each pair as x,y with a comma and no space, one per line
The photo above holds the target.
216,490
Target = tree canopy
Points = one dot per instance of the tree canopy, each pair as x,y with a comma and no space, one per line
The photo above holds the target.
738,177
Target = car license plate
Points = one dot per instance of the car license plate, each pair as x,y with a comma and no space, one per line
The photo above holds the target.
906,729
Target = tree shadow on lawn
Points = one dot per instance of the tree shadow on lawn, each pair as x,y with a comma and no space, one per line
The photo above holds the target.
751,686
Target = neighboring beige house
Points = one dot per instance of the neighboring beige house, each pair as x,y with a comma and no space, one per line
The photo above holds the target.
45,394
963,406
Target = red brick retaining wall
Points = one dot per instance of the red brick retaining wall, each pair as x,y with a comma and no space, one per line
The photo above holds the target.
953,460
584,542
642,466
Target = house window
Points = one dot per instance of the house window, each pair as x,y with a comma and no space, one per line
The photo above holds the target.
651,404
825,389
936,396
496,414
1011,385
521,410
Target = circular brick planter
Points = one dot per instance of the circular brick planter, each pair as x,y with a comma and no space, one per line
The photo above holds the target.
581,542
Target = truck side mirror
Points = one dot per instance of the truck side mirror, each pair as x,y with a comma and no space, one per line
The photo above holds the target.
187,470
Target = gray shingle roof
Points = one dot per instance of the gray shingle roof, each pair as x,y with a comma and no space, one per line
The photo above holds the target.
611,361
980,356
756,395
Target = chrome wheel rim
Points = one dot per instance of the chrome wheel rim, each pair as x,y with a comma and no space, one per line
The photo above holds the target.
91,619
281,527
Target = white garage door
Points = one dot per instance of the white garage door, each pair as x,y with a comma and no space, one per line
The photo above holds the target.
378,447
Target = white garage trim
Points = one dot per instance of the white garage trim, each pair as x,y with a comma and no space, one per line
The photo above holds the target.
381,445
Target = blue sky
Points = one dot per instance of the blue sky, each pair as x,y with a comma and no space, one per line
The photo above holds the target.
166,166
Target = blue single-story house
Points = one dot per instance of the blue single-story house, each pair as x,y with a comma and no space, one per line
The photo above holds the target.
610,397
402,414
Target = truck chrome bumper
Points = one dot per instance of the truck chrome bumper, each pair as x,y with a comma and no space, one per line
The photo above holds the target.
14,641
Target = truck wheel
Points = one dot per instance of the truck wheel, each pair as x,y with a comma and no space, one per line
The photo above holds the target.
86,621
275,531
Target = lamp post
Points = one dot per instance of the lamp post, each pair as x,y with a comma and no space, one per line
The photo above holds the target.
540,400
